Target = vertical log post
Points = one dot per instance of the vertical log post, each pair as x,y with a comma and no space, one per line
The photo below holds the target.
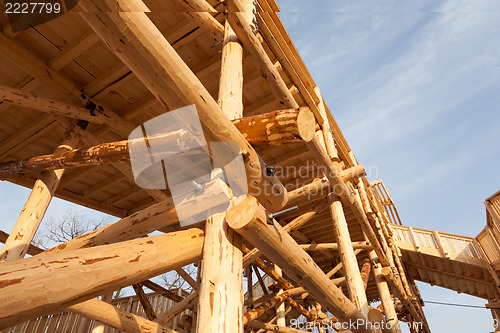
27,224
220,305
385,294
280,309
349,261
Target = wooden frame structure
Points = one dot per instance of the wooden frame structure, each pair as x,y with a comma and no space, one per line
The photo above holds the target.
72,90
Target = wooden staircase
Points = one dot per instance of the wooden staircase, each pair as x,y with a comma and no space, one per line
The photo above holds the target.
465,264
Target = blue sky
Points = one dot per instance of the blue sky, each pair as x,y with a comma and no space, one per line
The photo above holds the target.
415,88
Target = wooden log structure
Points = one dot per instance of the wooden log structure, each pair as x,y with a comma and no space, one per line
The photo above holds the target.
117,318
315,238
287,126
164,72
74,276
276,244
18,243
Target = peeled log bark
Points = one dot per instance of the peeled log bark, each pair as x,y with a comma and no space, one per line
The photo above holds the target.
21,236
134,38
261,309
178,308
53,282
32,101
220,305
335,246
121,320
385,294
275,128
347,256
281,248
400,293
104,153
147,220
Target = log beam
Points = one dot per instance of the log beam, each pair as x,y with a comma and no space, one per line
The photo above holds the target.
335,246
148,308
114,317
19,241
347,256
279,127
395,285
35,102
53,282
174,311
147,220
365,272
220,305
321,187
162,291
135,39
281,248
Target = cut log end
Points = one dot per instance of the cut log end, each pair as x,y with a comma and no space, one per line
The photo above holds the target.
306,124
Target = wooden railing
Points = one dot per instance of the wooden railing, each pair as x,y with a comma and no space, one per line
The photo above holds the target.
489,238
385,198
463,249
67,322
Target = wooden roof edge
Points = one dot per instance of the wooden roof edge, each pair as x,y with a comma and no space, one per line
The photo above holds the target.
338,135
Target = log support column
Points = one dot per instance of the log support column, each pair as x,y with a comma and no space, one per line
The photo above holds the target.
27,224
385,294
220,304
350,263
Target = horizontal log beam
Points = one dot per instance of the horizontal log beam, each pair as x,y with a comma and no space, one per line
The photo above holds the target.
178,308
147,220
135,40
279,127
162,291
334,246
104,153
53,282
284,126
117,318
281,248
321,187
35,102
